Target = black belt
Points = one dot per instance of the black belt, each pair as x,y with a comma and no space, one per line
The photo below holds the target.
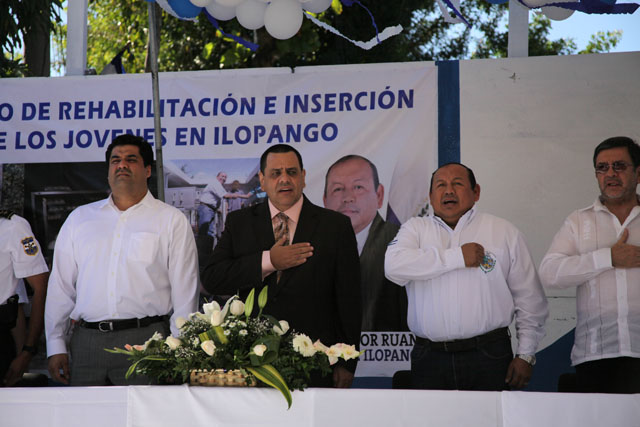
464,344
11,300
121,324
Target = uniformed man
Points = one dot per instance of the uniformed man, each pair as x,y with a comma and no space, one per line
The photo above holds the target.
20,258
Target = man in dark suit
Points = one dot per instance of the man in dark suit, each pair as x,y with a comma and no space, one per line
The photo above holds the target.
352,187
314,282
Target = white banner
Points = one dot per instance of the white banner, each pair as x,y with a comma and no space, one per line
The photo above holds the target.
386,112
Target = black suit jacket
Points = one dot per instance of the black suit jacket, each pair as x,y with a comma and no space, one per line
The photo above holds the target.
320,298
384,304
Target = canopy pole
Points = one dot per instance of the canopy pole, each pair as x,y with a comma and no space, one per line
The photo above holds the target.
153,60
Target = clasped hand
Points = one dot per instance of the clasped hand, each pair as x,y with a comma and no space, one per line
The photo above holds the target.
623,254
284,257
473,254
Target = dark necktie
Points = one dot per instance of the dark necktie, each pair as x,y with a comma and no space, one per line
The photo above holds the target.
280,230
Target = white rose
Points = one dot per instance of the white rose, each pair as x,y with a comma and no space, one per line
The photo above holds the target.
216,318
209,347
180,321
259,349
210,307
237,307
282,328
173,342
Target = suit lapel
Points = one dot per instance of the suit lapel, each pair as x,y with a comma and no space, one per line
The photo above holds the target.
262,226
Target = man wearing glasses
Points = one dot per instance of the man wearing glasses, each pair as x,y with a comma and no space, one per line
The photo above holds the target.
597,250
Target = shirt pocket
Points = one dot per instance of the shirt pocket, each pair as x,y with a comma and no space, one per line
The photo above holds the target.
143,247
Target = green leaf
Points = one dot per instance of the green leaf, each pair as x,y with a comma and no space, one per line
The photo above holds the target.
270,376
132,368
117,350
205,336
262,298
221,337
248,304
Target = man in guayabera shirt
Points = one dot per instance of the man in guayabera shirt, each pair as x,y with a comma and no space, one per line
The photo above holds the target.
597,250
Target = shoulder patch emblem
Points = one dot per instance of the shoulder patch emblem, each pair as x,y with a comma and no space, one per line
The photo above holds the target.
29,245
488,262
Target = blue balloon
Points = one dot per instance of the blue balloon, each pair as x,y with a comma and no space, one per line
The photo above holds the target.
609,2
497,1
184,8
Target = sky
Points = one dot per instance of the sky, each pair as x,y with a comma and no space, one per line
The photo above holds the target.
580,26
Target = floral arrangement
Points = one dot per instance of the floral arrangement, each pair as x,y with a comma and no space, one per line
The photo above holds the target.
228,338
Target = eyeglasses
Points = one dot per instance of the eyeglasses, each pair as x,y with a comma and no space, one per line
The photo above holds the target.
618,166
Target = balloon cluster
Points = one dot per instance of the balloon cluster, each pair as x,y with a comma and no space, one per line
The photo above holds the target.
281,18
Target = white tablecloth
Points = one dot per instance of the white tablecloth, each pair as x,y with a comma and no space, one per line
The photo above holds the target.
142,406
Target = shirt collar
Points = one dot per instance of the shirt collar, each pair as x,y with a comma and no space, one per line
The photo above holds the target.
599,206
464,219
293,212
108,202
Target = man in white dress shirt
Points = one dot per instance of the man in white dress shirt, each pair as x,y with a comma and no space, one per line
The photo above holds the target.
467,275
597,250
121,266
20,258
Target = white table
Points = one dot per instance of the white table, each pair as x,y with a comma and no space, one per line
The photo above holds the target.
202,406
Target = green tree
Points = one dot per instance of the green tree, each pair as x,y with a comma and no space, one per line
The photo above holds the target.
494,45
26,24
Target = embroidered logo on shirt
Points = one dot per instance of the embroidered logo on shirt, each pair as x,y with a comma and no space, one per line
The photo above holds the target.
29,245
488,262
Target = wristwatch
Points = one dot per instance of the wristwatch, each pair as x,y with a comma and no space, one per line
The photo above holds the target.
30,349
529,358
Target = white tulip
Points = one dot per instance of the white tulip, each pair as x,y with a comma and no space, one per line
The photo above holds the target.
217,318
237,307
180,321
259,349
209,308
209,347
173,342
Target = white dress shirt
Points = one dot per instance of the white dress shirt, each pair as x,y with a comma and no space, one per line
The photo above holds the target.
361,237
20,255
449,301
608,298
110,264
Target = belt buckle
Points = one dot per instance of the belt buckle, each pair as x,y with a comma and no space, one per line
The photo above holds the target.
108,326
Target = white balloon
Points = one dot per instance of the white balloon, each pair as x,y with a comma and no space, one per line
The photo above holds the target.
228,3
250,14
283,18
200,3
316,6
557,13
221,13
